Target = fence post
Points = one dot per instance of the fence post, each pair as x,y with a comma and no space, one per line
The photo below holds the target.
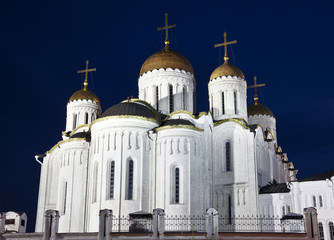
311,223
51,221
158,223
211,222
2,222
105,224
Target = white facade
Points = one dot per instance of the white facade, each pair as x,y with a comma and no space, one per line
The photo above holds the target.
135,158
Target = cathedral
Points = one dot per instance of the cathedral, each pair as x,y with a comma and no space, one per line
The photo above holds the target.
156,151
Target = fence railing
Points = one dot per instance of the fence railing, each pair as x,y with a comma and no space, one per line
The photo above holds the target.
201,224
126,224
259,224
185,223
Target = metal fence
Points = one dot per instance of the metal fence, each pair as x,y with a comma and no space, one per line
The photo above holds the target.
259,224
126,224
198,224
185,223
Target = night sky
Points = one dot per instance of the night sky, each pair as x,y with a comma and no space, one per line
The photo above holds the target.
287,44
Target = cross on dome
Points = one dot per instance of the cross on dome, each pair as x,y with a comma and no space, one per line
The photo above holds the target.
166,27
86,71
225,43
255,86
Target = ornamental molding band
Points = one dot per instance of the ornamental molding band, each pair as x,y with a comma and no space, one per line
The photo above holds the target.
165,70
178,126
77,128
242,122
124,117
163,78
179,112
224,78
65,141
228,85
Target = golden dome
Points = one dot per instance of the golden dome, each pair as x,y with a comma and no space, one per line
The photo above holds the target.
86,94
227,69
259,109
166,58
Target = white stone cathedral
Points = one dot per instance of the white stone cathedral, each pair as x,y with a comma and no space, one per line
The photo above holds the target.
155,151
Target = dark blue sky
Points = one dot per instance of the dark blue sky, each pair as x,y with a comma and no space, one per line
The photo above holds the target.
287,44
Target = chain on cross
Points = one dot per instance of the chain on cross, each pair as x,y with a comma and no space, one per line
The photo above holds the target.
166,27
86,71
225,43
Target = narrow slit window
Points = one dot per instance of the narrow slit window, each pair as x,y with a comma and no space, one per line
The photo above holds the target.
320,201
228,156
177,185
130,180
112,180
184,98
235,103
86,118
171,99
223,103
157,96
321,232
314,201
74,121
229,213
283,210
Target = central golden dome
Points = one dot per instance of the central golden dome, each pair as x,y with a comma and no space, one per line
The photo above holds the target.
227,69
166,58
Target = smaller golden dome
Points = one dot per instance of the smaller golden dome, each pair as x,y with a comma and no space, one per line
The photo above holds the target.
86,94
227,69
166,58
259,109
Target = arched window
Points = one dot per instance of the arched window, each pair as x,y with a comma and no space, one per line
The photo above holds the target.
130,180
228,156
75,120
177,185
283,210
320,201
288,210
94,194
223,103
314,201
235,103
157,97
93,117
112,180
321,232
229,210
171,99
331,230
86,118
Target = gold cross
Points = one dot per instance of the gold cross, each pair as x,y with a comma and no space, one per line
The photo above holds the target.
255,86
86,71
166,27
225,43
